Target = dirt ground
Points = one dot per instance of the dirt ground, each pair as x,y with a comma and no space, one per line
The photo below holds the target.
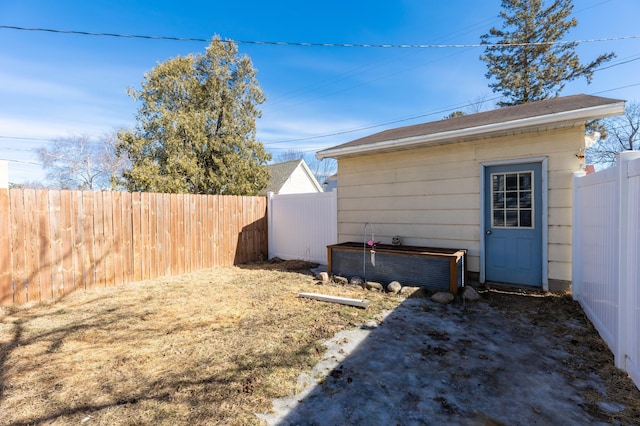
513,358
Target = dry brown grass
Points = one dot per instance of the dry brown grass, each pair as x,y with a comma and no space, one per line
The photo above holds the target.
212,347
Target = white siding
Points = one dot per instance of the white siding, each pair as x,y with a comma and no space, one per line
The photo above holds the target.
4,174
299,182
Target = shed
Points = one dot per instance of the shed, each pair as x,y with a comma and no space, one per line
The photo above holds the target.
496,183
291,177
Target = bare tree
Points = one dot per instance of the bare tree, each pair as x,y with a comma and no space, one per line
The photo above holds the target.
322,169
478,104
32,184
80,162
289,155
622,134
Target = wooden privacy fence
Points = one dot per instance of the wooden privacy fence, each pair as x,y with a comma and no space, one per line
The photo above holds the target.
55,242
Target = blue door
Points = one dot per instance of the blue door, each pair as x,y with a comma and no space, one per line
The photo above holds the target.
513,224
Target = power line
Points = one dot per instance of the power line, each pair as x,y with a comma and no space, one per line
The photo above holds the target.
346,131
372,126
386,123
26,138
621,62
312,44
21,161
617,88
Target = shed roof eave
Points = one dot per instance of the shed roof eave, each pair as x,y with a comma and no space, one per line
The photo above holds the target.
493,129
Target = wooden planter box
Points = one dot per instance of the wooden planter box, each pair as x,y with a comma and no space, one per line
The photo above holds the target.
439,269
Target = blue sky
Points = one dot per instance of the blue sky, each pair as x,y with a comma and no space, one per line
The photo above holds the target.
59,85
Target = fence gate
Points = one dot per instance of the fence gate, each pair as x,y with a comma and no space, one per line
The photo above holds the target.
301,226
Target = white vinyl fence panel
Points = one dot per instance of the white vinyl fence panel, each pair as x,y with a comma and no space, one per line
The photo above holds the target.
596,281
606,248
301,226
633,276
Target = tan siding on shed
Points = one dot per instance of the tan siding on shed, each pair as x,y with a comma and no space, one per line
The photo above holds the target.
431,196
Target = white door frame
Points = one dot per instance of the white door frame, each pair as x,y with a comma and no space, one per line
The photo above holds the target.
545,210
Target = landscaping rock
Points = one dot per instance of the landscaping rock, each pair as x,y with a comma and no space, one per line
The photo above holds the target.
470,294
357,281
340,280
323,276
372,285
408,290
394,287
443,297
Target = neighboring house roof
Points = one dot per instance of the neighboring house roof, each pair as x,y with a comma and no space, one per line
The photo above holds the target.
282,175
330,183
558,112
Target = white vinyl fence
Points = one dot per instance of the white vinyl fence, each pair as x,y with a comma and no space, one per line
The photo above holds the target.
301,226
606,249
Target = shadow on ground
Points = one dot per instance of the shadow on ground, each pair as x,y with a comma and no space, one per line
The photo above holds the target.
426,363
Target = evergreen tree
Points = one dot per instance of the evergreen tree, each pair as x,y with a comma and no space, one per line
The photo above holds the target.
196,126
527,58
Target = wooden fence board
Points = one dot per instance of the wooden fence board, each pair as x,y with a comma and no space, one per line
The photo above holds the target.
19,257
107,208
188,233
204,224
215,213
6,279
79,248
207,224
174,232
144,235
236,228
55,244
225,231
116,209
136,240
88,239
32,245
180,233
66,236
223,244
199,231
187,242
127,238
153,235
229,229
99,239
222,233
165,231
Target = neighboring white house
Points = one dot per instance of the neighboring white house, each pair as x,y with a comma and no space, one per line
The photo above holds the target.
330,183
291,177
4,174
